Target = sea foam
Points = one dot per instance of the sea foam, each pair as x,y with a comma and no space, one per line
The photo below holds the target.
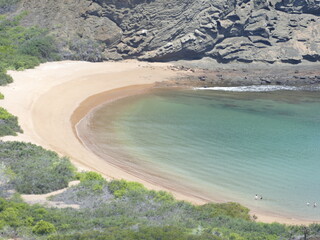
254,88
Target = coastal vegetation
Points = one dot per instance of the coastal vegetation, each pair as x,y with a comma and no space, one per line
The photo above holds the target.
34,170
8,123
115,209
136,213
7,3
22,47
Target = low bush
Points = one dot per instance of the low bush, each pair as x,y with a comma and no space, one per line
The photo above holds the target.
21,62
5,79
43,47
89,176
120,188
162,196
36,170
231,209
146,233
85,49
22,47
43,227
8,123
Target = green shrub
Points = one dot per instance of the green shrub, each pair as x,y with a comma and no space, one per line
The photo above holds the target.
42,47
145,233
5,79
89,176
2,224
1,96
4,115
8,123
43,227
36,169
120,188
92,180
162,196
3,204
231,209
21,62
10,216
29,221
22,47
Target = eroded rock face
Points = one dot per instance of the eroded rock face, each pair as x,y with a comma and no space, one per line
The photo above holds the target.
159,30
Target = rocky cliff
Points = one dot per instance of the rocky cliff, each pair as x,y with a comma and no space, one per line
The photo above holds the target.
160,30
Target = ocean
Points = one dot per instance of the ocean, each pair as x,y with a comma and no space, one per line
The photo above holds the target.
228,143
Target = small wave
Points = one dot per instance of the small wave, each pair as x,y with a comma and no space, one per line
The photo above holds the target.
259,88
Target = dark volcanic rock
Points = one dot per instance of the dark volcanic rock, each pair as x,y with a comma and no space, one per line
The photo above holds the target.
158,30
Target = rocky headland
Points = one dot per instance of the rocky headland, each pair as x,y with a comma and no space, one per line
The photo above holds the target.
208,73
246,31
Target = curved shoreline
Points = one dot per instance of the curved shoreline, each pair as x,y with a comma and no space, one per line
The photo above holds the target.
48,98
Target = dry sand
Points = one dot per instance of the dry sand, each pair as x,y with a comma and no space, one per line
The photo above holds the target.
52,98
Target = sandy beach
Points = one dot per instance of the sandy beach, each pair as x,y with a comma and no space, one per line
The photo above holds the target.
51,99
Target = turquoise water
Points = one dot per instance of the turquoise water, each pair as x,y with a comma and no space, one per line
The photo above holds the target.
231,145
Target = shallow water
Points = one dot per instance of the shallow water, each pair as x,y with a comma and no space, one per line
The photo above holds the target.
230,144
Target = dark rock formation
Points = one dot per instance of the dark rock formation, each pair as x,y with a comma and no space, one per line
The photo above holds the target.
157,30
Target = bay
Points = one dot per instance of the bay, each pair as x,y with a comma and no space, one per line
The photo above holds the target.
231,144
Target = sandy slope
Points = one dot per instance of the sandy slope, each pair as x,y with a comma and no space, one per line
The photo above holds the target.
51,98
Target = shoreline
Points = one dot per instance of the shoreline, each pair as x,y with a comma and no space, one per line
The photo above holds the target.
94,101
50,99
146,172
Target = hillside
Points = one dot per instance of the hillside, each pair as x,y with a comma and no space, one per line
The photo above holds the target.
158,30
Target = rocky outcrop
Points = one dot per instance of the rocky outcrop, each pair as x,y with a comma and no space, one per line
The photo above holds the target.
299,6
157,30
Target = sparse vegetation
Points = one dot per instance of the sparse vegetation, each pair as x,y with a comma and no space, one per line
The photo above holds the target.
85,49
7,3
33,169
22,47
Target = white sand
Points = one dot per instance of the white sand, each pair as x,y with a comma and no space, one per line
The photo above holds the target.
47,98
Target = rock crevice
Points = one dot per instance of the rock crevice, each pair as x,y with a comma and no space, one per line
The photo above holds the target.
157,30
